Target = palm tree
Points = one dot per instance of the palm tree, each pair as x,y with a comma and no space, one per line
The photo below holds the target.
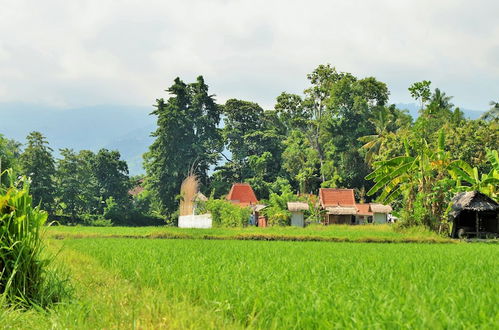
373,143
493,113
412,176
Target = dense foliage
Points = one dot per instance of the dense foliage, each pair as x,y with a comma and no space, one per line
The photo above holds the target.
341,129
24,278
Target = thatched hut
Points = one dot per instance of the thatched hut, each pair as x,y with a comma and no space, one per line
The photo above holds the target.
380,212
474,214
297,213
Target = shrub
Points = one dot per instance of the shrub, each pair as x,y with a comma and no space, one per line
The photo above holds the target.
25,279
95,220
277,211
226,214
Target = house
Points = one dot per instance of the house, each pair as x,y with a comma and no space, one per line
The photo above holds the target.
297,216
474,214
242,194
380,212
137,189
372,213
364,214
339,205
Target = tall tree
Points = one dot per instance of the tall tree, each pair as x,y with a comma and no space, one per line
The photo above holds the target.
10,151
187,138
37,162
111,174
68,181
254,138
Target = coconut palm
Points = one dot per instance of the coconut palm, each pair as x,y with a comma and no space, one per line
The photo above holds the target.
493,113
373,143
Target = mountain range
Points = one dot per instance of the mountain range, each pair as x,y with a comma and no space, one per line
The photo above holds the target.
115,127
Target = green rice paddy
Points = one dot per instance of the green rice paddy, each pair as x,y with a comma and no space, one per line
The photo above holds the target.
199,283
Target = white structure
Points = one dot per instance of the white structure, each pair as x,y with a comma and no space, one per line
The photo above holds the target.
195,221
380,212
296,209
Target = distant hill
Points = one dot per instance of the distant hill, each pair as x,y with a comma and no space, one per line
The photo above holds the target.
123,128
414,110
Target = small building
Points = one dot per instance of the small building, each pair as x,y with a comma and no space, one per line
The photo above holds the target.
380,212
339,205
364,214
242,194
297,213
474,214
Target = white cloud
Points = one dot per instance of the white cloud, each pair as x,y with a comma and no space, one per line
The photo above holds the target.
74,53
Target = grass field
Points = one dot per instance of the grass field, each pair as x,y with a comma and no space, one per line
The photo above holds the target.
192,283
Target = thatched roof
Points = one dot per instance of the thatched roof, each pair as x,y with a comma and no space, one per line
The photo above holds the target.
473,201
380,208
297,206
342,210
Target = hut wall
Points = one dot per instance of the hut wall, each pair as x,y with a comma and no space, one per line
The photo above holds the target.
297,219
380,217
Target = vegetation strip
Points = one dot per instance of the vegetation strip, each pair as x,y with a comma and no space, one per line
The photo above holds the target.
262,237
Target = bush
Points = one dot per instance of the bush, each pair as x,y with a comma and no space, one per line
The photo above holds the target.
277,211
95,220
25,279
226,214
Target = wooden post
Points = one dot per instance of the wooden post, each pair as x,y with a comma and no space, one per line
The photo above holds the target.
477,224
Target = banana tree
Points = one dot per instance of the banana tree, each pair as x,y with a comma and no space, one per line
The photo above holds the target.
486,183
416,175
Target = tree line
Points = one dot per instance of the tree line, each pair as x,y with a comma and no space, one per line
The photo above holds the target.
333,135
341,129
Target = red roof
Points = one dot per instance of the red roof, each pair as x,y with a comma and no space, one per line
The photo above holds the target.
336,197
364,209
242,193
137,189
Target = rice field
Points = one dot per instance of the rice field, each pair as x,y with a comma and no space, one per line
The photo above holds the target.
193,283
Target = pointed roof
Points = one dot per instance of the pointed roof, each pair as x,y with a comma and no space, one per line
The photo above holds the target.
330,197
242,193
364,209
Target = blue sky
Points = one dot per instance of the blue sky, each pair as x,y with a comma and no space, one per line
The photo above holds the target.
82,53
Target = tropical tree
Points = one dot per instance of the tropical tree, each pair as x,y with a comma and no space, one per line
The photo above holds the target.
421,91
187,138
493,113
38,163
420,177
485,183
10,151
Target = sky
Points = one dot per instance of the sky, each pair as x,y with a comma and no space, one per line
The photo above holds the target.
69,54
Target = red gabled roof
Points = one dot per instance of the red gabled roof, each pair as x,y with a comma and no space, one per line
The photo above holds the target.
336,197
364,209
139,187
242,193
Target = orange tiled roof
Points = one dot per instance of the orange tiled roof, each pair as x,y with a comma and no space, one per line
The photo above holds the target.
364,209
336,197
242,193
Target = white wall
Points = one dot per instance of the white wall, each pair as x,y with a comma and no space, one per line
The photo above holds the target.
195,221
